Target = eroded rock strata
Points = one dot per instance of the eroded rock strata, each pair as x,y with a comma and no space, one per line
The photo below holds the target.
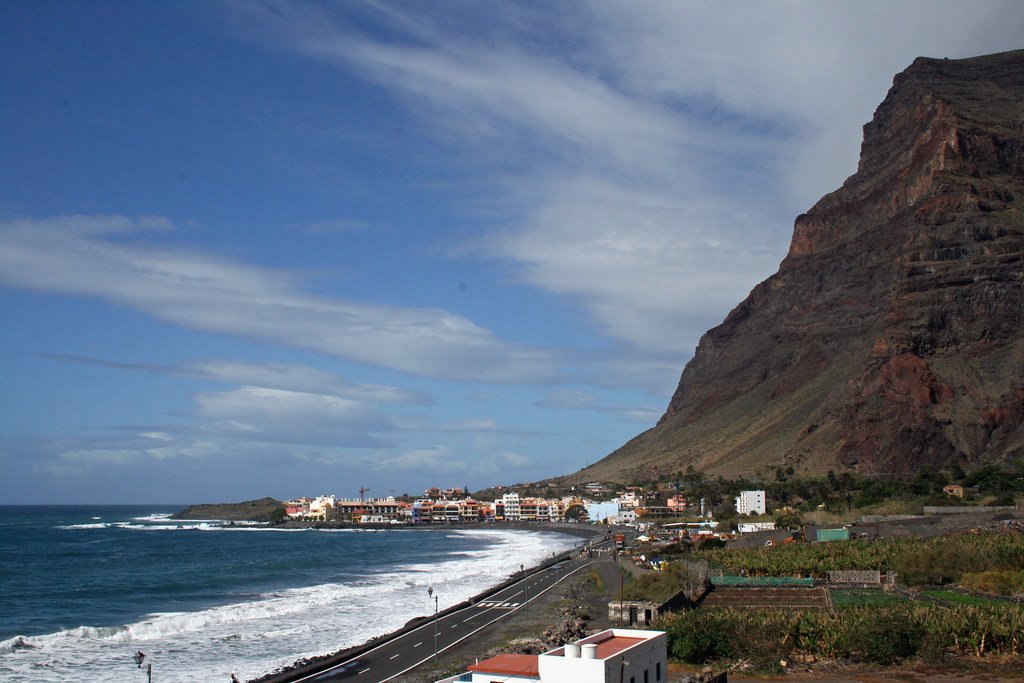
891,336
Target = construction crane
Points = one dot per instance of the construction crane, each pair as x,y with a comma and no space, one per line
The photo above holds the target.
362,491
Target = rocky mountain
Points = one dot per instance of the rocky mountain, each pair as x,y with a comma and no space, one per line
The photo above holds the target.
892,336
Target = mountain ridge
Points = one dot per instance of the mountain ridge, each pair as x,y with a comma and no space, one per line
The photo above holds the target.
892,335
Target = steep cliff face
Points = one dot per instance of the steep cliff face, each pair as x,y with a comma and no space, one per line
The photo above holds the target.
893,334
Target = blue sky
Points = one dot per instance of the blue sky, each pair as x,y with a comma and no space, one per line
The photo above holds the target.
282,249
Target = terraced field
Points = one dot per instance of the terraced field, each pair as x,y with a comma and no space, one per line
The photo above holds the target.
795,598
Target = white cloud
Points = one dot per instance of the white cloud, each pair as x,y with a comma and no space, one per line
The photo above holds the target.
259,414
300,378
288,376
76,255
570,399
442,463
650,158
586,401
654,270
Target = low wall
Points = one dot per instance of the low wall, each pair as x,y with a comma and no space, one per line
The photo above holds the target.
765,581
966,509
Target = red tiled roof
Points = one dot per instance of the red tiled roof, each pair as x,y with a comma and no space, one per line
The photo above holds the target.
520,665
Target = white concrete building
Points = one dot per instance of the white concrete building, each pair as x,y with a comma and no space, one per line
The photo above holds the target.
321,507
624,517
513,509
615,655
750,502
629,500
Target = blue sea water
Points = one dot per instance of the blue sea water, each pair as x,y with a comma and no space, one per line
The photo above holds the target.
84,588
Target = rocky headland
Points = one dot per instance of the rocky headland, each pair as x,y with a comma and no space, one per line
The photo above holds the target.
260,510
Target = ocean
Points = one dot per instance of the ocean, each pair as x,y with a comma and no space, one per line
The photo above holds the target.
82,589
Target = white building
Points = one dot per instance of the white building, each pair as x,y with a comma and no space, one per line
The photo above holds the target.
321,507
511,503
750,502
611,656
624,517
629,500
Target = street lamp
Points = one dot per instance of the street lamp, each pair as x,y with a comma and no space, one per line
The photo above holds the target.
138,657
430,593
526,589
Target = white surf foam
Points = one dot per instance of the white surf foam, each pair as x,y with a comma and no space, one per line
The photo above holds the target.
255,637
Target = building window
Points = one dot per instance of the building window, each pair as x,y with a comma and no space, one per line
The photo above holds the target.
657,671
645,677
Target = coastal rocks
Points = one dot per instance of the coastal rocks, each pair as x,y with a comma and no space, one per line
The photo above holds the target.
892,335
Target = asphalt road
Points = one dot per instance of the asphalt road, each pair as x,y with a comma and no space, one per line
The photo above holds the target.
409,650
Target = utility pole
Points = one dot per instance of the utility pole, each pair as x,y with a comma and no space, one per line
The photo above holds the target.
430,593
526,589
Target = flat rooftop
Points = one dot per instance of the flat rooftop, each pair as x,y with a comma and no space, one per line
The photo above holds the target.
616,644
608,644
519,665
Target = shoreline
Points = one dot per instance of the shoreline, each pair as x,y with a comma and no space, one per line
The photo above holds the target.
568,528
312,665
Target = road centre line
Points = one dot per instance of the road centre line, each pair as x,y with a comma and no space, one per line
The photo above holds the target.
426,624
501,616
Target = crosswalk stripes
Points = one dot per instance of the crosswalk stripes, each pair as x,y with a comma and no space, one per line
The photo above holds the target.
492,604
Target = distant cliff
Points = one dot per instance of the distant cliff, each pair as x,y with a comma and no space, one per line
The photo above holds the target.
892,336
262,510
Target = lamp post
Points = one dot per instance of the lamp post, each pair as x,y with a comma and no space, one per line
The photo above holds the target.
526,588
138,658
430,593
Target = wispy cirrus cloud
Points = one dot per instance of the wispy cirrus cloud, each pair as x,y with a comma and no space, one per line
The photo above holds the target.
576,399
287,376
651,165
275,415
90,256
611,198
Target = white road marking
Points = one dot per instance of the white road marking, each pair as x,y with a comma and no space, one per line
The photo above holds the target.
417,644
363,671
395,656
583,565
